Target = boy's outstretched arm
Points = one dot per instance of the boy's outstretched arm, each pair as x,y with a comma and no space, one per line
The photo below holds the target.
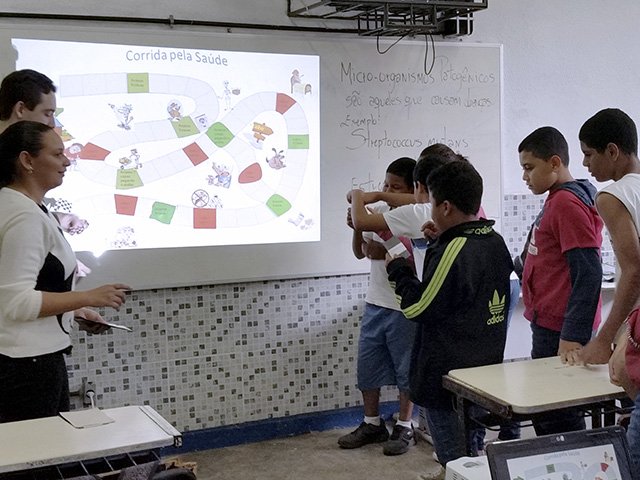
391,199
362,219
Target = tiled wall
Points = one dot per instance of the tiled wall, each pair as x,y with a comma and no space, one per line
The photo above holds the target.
216,355
519,212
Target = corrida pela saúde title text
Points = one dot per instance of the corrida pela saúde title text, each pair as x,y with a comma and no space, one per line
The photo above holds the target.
158,54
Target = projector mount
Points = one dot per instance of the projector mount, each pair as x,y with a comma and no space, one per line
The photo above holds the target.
394,17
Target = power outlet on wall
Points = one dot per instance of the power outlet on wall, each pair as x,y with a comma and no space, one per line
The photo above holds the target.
87,392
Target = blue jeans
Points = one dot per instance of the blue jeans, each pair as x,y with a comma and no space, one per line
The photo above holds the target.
384,348
633,436
446,433
545,344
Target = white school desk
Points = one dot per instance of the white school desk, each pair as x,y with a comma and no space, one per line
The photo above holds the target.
519,390
53,441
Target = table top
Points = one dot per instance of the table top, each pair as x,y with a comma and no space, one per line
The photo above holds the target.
53,441
534,386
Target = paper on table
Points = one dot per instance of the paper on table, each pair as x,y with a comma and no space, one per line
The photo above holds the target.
91,417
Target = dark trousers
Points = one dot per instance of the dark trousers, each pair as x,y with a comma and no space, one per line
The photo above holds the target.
33,387
545,344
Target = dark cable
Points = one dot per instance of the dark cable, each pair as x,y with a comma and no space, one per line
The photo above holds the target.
426,53
390,46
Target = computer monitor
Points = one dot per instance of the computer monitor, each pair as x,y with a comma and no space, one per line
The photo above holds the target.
588,454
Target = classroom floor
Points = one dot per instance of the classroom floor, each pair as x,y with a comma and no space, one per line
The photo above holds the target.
313,456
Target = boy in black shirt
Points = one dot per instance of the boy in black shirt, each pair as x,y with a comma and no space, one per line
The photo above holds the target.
461,303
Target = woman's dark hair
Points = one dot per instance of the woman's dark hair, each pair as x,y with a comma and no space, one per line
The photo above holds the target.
24,136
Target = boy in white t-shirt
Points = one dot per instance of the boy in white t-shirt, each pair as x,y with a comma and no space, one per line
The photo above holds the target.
386,336
408,218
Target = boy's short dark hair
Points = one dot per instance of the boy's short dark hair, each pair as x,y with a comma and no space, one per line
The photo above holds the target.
26,86
610,125
544,143
459,183
403,167
431,158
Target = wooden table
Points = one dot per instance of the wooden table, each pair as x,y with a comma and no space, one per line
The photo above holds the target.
520,390
50,441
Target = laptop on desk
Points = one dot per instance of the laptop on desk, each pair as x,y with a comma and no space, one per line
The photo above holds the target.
585,455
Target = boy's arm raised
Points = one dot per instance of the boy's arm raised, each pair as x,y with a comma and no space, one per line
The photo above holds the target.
391,199
364,220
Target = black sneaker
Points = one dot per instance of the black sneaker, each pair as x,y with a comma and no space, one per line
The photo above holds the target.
400,440
365,434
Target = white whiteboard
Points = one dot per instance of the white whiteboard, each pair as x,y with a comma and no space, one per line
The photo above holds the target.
374,108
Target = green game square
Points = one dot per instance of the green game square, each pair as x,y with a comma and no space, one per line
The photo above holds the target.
138,82
184,127
162,212
299,142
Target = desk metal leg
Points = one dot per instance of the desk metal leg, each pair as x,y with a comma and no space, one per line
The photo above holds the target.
463,407
603,414
596,416
609,414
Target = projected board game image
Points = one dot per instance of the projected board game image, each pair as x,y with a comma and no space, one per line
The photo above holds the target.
589,463
174,147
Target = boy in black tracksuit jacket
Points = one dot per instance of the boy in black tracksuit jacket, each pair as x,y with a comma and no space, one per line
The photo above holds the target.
460,305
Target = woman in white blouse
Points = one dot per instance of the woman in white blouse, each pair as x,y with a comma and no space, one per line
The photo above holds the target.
37,266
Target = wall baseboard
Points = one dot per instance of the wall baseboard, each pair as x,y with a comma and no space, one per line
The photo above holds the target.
251,432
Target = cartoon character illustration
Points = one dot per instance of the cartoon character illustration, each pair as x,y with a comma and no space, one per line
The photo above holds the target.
295,79
135,158
261,131
123,114
277,160
222,178
307,224
297,220
124,238
297,86
174,109
215,202
302,223
132,161
72,152
226,94
202,121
